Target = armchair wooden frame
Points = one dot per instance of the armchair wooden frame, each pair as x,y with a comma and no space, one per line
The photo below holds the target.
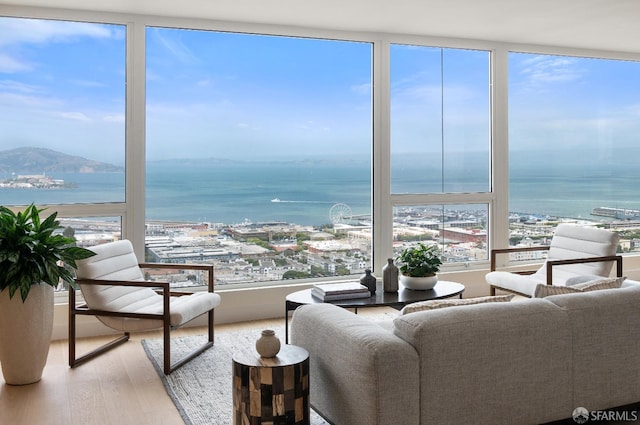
163,289
550,264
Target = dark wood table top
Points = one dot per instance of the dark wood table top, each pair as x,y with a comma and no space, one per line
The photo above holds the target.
287,356
404,296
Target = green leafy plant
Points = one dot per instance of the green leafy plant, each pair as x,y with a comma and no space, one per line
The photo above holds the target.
420,260
32,253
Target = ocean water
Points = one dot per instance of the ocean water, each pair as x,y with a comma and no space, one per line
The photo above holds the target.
231,192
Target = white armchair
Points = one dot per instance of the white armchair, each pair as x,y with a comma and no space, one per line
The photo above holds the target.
574,251
114,290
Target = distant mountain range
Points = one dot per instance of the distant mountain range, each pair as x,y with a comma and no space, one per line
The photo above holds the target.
29,160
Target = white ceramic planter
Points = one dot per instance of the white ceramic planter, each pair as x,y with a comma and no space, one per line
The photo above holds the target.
25,334
418,283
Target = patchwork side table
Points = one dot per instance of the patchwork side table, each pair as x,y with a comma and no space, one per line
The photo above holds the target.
271,390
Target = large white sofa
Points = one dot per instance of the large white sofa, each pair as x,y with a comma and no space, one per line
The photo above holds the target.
519,362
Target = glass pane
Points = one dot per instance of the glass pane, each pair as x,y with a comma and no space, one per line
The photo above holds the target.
459,230
440,120
62,112
258,153
574,140
90,231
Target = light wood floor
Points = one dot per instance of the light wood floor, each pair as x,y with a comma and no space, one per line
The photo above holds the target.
120,387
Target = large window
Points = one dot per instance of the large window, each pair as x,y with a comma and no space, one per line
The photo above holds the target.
574,140
259,154
62,121
440,145
258,150
62,112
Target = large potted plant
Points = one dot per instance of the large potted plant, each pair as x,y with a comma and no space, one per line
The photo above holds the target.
34,258
418,266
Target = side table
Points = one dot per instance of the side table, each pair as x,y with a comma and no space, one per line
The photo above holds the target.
271,390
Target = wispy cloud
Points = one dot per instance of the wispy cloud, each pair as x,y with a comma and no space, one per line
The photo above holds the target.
544,70
18,87
364,89
10,65
74,116
88,83
117,118
26,100
18,31
419,92
634,110
175,47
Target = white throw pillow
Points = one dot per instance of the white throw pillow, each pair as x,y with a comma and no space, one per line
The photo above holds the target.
436,304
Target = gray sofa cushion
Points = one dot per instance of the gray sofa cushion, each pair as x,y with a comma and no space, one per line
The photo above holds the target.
606,340
360,373
492,363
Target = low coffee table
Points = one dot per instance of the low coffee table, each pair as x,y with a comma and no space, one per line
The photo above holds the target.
397,300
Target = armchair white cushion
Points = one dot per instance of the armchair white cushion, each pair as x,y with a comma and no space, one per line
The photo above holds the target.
114,290
569,242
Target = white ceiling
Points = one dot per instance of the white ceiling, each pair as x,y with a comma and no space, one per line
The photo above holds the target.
612,25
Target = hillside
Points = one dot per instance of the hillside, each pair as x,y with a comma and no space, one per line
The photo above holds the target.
29,160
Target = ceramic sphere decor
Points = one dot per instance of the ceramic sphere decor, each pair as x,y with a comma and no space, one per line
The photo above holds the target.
268,345
423,283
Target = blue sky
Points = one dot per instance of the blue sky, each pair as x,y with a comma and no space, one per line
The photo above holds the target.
62,86
257,95
573,103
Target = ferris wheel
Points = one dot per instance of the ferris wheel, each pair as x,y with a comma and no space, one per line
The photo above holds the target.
340,213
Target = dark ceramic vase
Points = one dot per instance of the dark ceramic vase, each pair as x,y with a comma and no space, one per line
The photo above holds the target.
369,281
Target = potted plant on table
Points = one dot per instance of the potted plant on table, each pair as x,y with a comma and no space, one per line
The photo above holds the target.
33,260
418,266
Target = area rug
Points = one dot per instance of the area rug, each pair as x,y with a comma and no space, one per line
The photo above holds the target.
201,389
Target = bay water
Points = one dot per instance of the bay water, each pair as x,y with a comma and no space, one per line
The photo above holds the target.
303,191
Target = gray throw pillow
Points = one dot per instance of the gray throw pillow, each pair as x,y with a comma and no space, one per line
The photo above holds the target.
543,290
436,304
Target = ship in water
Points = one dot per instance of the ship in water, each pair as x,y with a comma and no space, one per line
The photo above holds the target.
276,200
617,213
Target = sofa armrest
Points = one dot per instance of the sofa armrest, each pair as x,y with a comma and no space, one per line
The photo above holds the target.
360,372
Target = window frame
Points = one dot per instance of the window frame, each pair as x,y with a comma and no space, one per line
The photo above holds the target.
132,210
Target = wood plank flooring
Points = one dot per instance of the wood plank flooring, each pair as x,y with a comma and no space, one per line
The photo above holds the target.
120,387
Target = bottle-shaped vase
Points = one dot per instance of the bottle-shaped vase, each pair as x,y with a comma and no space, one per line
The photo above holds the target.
369,281
390,276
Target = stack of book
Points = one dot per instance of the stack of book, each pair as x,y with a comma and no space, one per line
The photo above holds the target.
340,291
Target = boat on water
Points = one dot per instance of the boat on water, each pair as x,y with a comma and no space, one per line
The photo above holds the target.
276,200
